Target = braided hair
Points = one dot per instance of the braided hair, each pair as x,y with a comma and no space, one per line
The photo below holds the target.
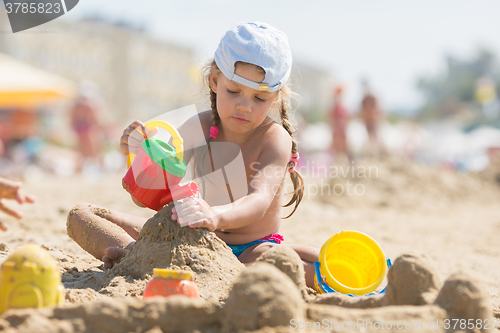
297,180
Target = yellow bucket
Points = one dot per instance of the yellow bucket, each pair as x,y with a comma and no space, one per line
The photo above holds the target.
350,262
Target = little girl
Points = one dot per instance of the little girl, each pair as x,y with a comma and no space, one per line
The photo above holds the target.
247,80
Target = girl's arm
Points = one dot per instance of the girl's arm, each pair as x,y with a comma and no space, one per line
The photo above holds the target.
265,183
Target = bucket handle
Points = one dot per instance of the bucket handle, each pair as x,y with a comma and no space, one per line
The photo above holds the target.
177,141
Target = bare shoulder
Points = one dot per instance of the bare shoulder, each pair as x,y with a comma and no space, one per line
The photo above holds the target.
275,139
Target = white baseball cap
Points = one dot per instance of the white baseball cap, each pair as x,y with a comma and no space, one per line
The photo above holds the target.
259,44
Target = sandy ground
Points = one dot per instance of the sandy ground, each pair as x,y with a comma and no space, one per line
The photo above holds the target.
453,218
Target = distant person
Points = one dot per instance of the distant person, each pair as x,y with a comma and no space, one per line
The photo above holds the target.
372,116
84,121
339,118
11,190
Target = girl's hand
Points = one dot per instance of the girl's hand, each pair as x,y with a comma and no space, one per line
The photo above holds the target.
131,140
194,212
12,191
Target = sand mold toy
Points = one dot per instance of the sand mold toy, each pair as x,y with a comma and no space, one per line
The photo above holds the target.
167,282
30,278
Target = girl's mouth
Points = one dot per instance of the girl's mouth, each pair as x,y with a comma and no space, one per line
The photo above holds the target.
240,120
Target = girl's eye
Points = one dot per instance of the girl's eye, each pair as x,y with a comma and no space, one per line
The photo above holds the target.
260,99
231,92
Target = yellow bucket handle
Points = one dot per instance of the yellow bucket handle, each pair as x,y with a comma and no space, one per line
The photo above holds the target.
177,141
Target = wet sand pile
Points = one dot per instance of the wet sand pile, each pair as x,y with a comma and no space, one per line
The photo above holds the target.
162,243
91,284
265,299
289,262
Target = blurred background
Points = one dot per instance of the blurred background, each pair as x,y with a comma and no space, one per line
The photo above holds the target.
398,120
419,81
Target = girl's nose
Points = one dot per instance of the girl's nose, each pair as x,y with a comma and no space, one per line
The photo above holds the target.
244,105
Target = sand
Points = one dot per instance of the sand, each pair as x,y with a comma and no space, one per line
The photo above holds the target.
439,227
162,243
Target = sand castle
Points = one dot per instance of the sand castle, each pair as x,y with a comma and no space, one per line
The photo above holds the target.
162,243
267,296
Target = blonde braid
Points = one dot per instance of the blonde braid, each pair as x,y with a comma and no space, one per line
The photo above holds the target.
297,180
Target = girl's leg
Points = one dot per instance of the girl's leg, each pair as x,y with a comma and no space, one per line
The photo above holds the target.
104,233
309,256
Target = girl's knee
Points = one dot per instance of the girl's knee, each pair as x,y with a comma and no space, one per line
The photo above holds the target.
306,253
253,252
76,217
82,208
263,247
79,210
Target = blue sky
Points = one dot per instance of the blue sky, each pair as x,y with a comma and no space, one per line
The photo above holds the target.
391,42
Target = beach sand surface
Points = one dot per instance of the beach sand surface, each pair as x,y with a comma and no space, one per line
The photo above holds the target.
450,217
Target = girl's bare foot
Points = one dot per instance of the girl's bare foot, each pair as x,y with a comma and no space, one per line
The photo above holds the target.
113,255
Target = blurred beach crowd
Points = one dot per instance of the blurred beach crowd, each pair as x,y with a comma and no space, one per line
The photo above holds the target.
65,99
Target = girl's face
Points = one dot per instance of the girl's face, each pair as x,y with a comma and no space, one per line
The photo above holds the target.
241,108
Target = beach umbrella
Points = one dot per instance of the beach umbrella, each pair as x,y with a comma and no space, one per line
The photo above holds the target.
25,86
